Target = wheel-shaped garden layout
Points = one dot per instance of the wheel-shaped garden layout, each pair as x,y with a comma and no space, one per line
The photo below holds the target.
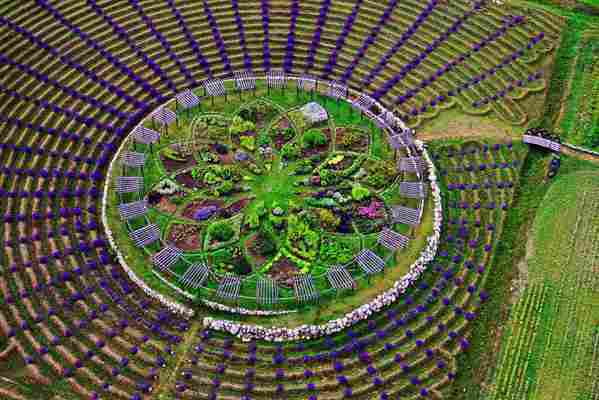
265,190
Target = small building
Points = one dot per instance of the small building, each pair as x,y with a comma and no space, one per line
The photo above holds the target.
314,113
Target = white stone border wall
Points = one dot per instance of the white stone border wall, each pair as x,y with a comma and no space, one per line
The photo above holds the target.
249,331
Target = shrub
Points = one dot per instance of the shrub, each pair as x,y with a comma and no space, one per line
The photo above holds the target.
224,188
351,137
288,133
248,142
239,125
265,243
314,138
359,192
210,178
221,231
327,177
290,151
328,219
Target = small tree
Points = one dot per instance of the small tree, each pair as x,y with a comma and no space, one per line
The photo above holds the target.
221,231
314,138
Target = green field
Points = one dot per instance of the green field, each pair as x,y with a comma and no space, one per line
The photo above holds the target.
549,349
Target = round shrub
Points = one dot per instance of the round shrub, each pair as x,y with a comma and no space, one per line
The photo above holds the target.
221,232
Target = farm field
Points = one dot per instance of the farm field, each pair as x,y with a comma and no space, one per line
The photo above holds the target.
550,346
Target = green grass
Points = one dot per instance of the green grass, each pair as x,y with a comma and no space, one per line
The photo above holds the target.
555,362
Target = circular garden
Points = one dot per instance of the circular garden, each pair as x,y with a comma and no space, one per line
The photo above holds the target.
267,200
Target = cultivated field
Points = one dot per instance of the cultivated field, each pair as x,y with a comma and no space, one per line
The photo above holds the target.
550,346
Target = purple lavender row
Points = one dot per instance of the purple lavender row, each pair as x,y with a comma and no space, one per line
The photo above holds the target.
69,90
122,33
347,27
91,42
322,18
79,193
28,151
69,331
399,44
247,59
68,61
266,40
455,27
74,115
217,38
164,42
478,79
193,43
460,59
509,88
288,62
369,40
57,109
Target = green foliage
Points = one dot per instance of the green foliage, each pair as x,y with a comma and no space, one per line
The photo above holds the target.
224,188
335,252
327,177
328,219
248,142
265,243
380,173
210,178
301,239
288,133
252,220
359,192
290,151
261,209
336,159
172,154
264,140
239,125
314,138
297,118
196,173
351,137
221,231
209,157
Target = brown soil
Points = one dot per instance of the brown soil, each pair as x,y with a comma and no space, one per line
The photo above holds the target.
187,180
235,208
192,207
166,206
283,270
257,259
357,147
225,159
279,139
189,237
172,165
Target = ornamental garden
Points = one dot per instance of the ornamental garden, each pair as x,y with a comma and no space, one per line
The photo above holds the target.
267,199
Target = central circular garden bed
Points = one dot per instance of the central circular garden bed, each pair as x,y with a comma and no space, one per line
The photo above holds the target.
258,202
